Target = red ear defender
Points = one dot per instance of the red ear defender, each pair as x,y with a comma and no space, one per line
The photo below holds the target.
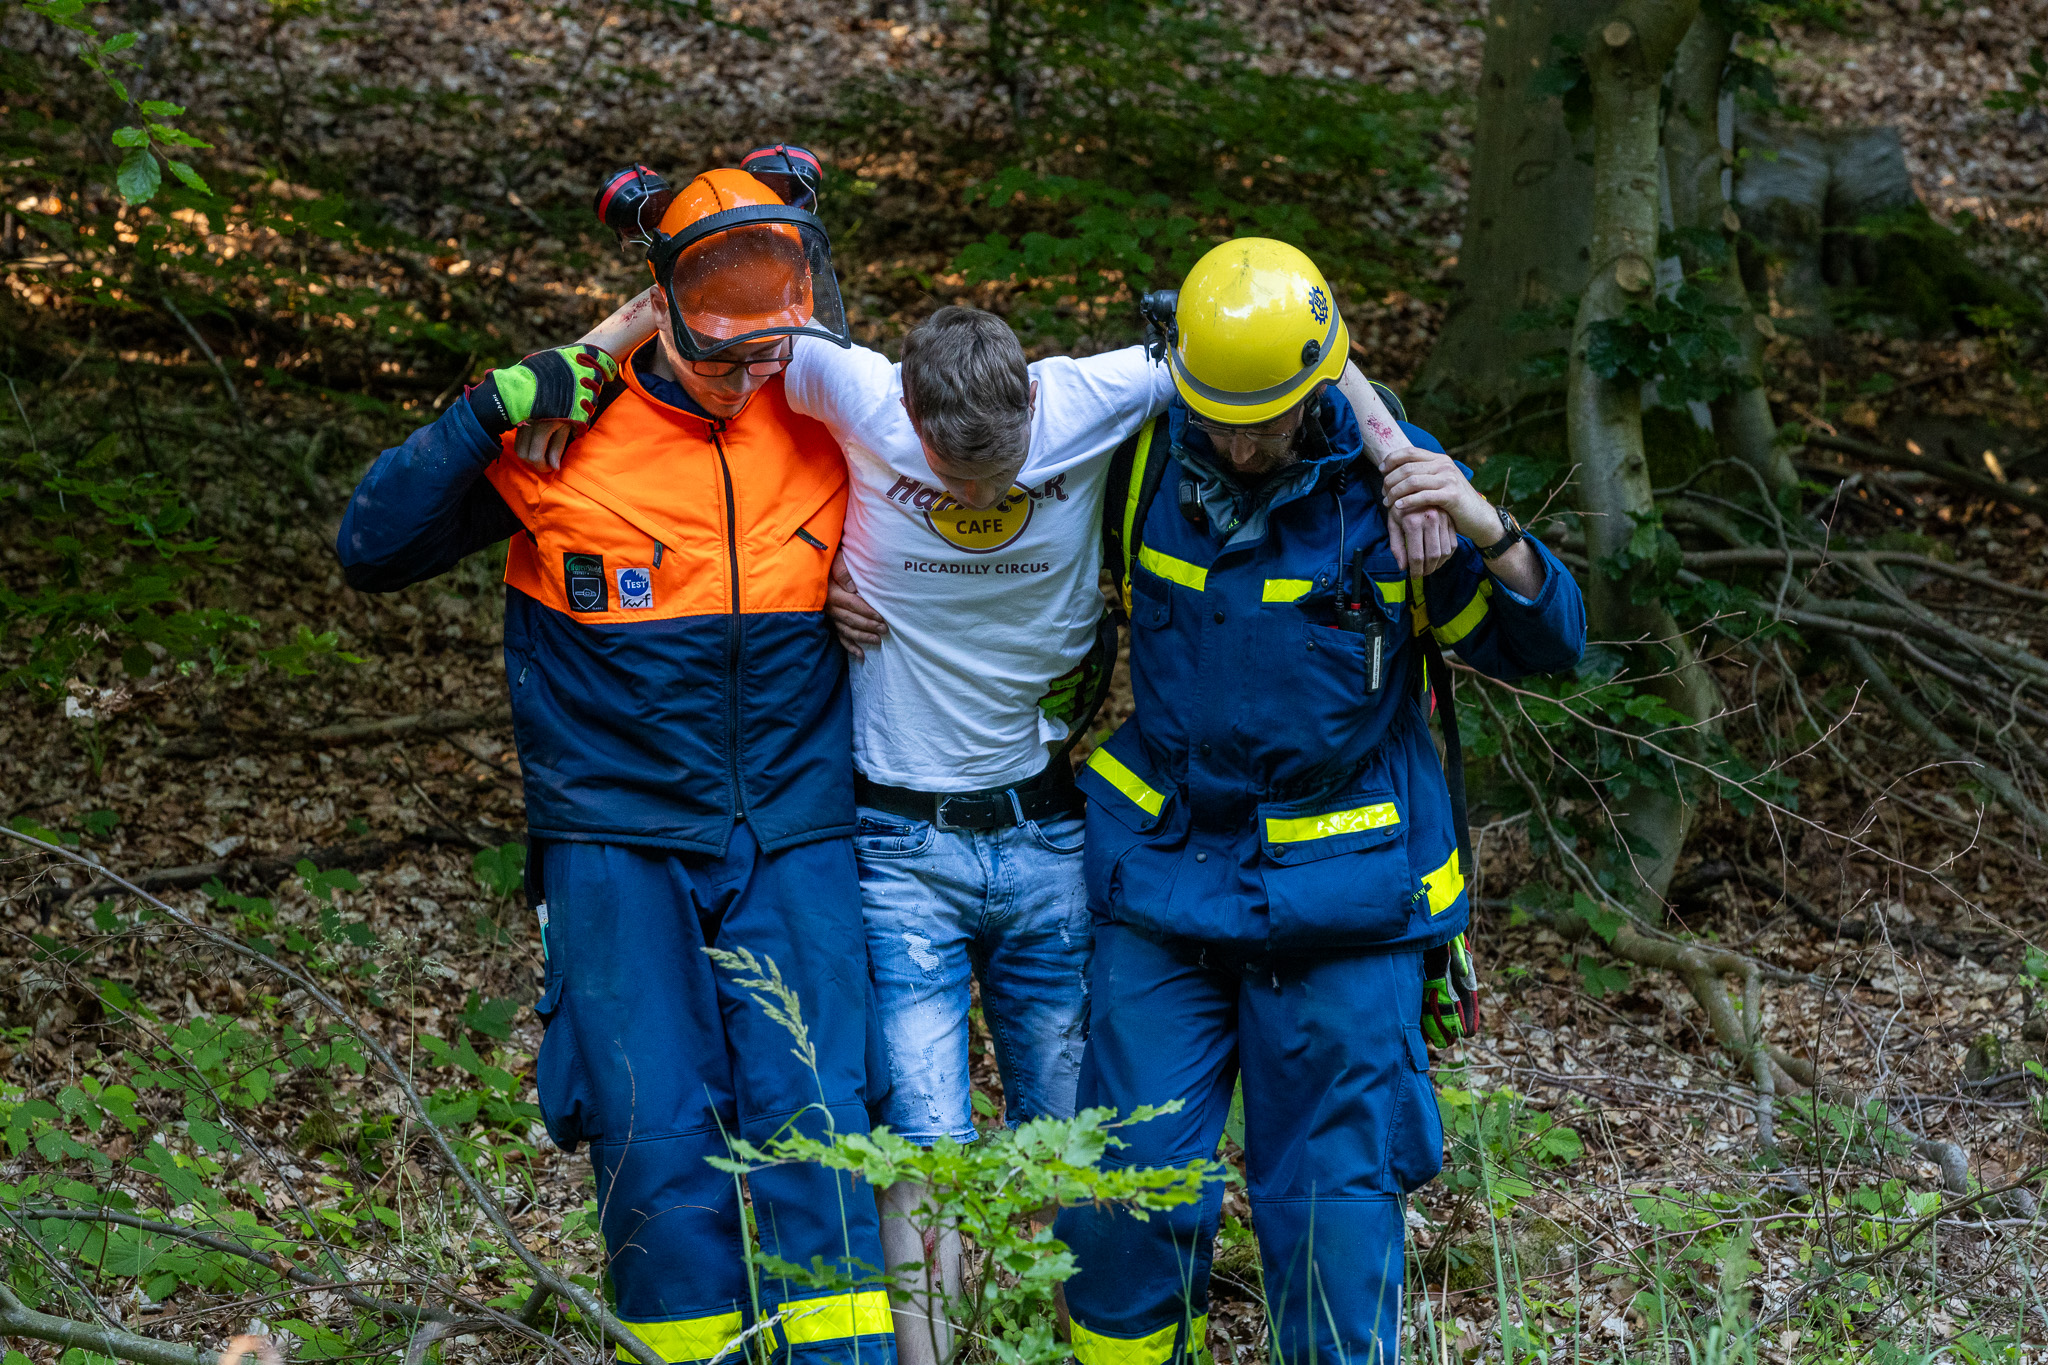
630,202
794,173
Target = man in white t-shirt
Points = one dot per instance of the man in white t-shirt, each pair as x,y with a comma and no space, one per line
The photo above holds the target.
968,594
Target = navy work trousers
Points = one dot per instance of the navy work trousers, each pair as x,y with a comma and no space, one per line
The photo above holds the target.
1340,1124
653,1053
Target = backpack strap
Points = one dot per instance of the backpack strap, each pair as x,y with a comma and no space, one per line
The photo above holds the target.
1136,470
1444,691
1391,399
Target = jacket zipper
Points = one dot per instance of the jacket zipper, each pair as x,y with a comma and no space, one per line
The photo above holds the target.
734,628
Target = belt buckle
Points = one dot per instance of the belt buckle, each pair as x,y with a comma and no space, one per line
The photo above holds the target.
939,812
939,816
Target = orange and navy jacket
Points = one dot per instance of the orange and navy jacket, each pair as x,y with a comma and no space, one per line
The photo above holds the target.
665,641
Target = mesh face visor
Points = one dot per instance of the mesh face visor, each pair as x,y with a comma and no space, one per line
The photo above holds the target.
748,274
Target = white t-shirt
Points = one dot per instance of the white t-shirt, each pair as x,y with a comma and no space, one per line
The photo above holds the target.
984,608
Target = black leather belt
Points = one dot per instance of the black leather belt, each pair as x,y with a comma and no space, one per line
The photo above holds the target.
1050,794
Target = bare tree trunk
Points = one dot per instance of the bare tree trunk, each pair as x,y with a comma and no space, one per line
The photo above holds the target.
1626,57
1695,160
1526,223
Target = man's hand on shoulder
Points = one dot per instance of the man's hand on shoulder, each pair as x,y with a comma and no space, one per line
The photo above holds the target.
859,626
558,387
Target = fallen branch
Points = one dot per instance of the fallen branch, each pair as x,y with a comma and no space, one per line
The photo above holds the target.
585,1302
17,1319
1765,557
1937,739
1960,476
356,855
208,743
270,1260
1862,931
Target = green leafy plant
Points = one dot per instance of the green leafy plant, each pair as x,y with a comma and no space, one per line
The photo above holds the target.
501,870
148,142
2033,80
997,1190
1679,341
1496,1148
1143,134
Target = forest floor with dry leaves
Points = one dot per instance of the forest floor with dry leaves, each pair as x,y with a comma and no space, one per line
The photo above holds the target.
1902,901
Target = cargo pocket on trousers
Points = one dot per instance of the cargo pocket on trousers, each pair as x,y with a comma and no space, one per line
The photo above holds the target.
1336,870
1415,1142
568,1104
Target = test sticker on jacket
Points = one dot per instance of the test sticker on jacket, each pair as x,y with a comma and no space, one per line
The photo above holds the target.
636,589
583,581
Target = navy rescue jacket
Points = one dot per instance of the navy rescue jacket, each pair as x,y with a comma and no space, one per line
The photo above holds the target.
1265,795
670,665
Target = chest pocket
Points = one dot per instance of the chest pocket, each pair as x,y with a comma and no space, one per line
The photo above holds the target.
602,564
1151,602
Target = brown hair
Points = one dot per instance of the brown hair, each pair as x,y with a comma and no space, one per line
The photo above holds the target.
965,383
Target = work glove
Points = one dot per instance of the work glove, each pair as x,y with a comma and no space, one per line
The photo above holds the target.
1068,696
561,385
1450,994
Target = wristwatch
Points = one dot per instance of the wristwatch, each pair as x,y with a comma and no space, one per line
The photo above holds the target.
1511,537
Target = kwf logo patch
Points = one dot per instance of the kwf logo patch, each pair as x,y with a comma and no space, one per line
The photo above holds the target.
636,590
583,580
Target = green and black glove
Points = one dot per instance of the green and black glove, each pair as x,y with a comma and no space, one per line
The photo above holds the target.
1450,994
1072,697
561,385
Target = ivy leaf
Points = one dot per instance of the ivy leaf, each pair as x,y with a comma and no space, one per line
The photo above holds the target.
1602,921
491,1015
1600,978
452,1109
321,886
501,870
138,177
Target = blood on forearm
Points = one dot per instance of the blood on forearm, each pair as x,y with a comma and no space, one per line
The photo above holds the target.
628,328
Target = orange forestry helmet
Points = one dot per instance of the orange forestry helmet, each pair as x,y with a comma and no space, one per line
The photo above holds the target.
736,264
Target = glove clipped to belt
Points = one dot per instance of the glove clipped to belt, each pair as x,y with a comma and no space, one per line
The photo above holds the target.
560,385
1450,994
1074,696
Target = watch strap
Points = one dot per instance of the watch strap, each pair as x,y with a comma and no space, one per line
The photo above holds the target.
1508,541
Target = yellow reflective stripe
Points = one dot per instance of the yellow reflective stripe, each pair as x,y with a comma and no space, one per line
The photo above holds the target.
1143,455
1126,781
1459,626
1396,591
1285,589
686,1338
1298,828
1173,570
1154,1348
1444,884
836,1317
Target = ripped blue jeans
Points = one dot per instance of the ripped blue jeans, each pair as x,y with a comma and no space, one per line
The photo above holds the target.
943,907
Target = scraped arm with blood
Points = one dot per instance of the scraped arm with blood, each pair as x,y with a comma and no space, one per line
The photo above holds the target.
1423,540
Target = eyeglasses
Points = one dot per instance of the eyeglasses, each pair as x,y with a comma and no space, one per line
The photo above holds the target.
1273,437
760,367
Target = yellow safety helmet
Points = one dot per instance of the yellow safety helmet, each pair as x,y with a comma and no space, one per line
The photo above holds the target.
1255,331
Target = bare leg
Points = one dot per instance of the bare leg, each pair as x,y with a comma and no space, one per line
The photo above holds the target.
910,1234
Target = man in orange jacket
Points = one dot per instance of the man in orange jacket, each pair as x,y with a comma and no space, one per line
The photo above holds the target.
684,732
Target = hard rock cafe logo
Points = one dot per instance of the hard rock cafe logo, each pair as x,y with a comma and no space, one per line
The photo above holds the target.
978,531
